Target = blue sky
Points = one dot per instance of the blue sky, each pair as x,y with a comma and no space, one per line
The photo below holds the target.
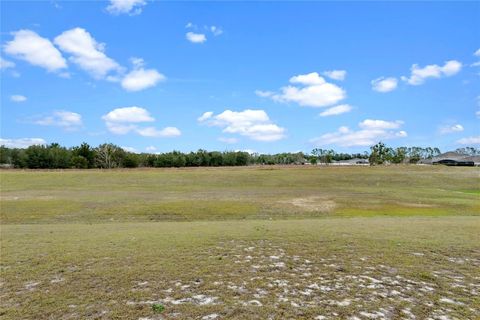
263,76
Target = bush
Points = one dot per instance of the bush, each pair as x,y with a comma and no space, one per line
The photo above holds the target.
79,162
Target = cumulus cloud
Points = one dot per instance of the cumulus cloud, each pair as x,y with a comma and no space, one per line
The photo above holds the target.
125,120
419,75
195,37
383,84
131,7
380,124
140,78
86,52
309,79
154,132
469,140
451,129
65,119
29,46
253,124
128,114
333,111
18,98
205,116
369,133
22,143
5,64
311,90
336,74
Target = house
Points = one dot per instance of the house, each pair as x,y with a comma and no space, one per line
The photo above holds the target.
351,162
475,159
455,159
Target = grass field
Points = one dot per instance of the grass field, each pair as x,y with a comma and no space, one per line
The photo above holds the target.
241,243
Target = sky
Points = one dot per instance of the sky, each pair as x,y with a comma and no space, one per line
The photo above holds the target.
267,77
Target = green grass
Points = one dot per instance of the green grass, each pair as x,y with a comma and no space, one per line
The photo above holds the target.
236,193
302,242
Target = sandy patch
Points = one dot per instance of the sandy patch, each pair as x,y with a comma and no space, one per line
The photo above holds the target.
314,204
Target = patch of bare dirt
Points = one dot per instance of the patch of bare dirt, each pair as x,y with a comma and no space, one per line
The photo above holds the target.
313,204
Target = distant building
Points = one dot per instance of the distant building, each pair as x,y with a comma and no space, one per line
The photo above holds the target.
351,162
475,159
456,159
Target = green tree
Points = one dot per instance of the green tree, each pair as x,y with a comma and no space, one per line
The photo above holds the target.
380,154
130,160
59,156
87,152
79,162
398,155
37,157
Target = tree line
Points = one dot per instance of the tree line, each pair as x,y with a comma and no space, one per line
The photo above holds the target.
107,155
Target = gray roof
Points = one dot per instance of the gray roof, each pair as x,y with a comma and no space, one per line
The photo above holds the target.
457,157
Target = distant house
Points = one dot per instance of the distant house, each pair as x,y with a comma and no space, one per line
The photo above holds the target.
351,162
456,159
475,159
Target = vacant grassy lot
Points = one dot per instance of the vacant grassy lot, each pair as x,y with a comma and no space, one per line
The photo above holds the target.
241,243
236,193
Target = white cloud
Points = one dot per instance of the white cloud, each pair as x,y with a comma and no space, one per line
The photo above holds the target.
383,84
131,7
130,149
5,64
216,30
309,79
401,134
419,75
128,115
86,52
205,116
336,74
21,143
65,119
195,37
476,54
125,120
451,129
469,140
371,131
18,98
254,124
380,124
228,140
313,91
264,94
333,111
151,148
140,78
29,46
312,96
154,132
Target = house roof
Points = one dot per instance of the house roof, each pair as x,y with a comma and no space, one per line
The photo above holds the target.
475,159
